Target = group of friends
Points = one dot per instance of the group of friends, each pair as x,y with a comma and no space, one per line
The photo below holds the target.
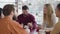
10,26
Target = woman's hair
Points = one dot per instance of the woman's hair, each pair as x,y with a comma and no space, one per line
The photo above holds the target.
0,12
49,15
49,8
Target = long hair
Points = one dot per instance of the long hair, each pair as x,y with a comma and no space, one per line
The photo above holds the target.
49,15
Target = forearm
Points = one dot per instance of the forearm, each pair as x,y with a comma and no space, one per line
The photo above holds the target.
34,25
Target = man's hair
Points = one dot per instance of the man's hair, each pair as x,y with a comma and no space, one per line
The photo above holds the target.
7,9
58,6
0,11
25,7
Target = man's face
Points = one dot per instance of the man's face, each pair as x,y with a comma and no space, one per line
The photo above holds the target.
57,12
25,11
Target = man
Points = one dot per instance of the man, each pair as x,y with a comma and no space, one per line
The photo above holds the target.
56,29
7,24
27,19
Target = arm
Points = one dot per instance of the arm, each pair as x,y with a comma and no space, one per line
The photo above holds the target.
33,21
56,29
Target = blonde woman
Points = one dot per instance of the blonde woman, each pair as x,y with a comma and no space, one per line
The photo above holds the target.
48,11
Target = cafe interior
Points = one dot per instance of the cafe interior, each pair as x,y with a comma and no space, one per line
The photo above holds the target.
36,8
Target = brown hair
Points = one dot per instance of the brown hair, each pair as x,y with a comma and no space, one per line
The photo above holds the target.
58,6
7,9
25,7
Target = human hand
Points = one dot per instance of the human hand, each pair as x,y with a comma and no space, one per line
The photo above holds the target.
30,24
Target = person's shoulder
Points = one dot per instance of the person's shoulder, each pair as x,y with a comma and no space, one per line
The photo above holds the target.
2,20
31,15
58,23
16,23
20,15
